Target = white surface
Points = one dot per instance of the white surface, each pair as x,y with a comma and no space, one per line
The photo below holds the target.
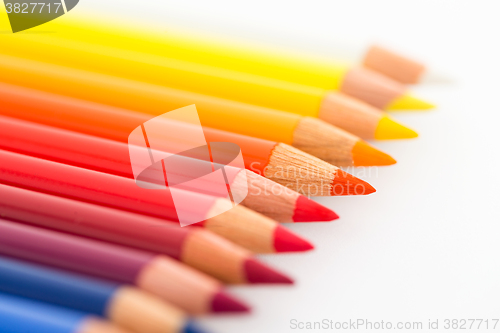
426,245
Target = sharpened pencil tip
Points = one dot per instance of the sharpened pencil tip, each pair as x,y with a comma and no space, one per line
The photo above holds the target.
307,210
192,327
365,155
257,272
388,129
409,102
346,184
287,241
222,302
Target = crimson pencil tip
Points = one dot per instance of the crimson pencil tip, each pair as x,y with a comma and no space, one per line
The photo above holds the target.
287,241
222,302
307,210
257,272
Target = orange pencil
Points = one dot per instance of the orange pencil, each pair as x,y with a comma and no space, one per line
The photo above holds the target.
276,161
264,196
309,134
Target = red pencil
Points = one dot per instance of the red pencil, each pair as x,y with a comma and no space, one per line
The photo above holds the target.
273,160
264,196
238,224
193,246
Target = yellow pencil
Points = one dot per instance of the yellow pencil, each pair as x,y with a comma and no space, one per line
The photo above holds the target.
367,85
309,134
338,109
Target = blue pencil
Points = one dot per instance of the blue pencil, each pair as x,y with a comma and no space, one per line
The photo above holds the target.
22,315
125,306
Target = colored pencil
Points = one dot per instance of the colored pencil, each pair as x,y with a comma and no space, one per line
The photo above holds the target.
361,119
125,306
264,196
196,247
263,157
248,67
310,134
230,53
397,66
160,275
22,315
238,224
198,78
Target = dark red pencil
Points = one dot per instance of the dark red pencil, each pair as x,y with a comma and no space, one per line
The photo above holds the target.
160,275
190,245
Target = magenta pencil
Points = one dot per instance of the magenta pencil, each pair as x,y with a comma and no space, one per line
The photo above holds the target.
189,245
160,275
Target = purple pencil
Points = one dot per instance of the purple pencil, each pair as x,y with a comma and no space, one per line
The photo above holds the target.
181,285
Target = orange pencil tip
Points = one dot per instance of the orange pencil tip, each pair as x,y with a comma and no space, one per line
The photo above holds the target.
365,155
346,184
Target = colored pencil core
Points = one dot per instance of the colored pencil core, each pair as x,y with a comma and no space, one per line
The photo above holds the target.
388,129
222,302
409,102
286,241
347,184
365,155
308,210
259,273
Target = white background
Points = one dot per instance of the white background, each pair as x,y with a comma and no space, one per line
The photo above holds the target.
426,245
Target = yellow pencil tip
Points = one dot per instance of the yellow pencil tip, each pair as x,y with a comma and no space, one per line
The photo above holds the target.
365,155
409,102
388,129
